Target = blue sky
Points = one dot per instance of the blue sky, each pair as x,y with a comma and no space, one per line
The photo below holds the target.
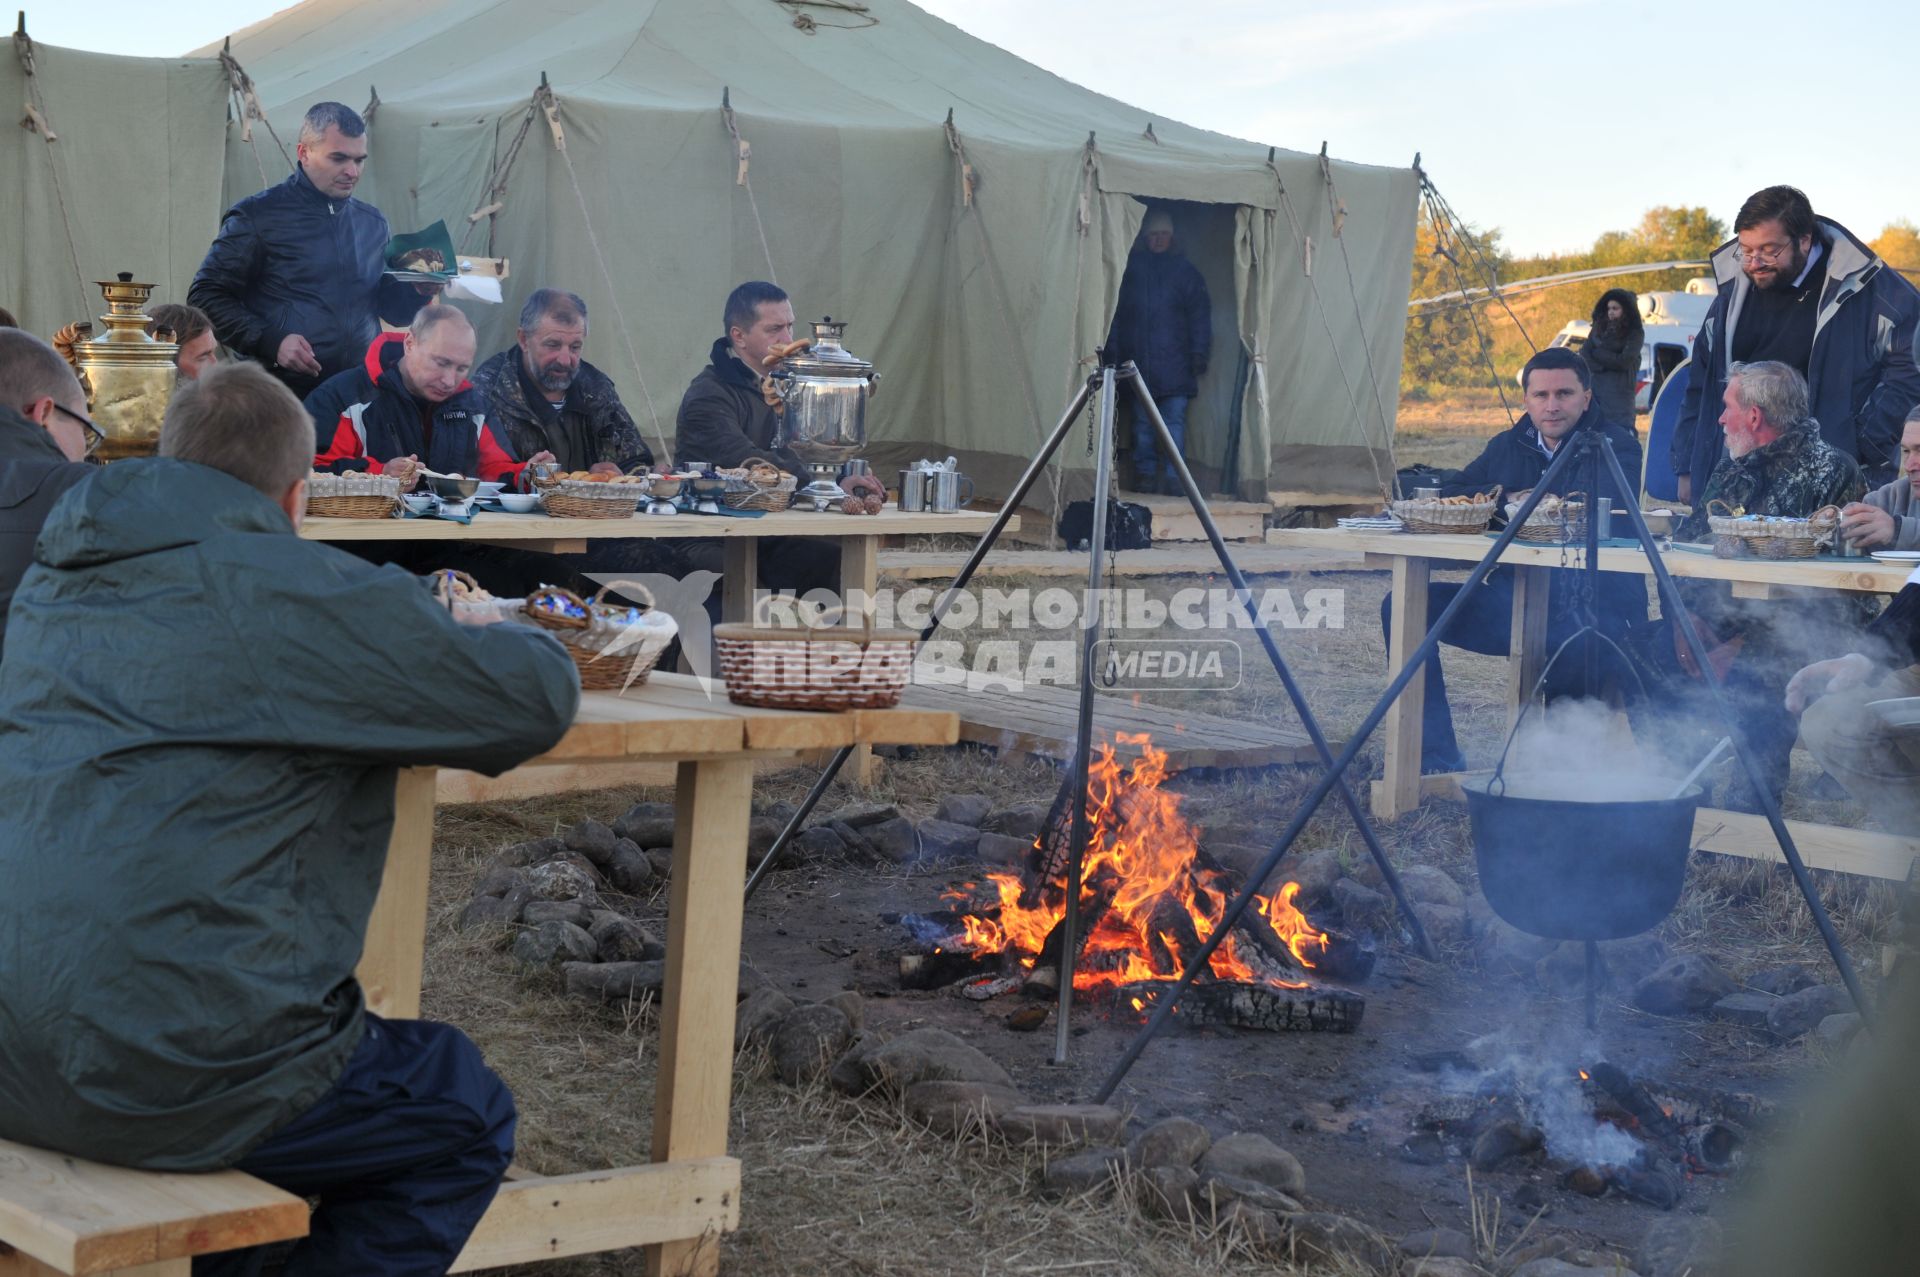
1552,120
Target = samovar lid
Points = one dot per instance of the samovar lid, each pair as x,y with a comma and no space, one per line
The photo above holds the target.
827,357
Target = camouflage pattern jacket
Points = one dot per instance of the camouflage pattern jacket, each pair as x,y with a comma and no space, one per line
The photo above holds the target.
591,400
1793,476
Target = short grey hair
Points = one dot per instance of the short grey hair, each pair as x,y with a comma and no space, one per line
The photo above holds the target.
557,304
322,116
238,419
1776,389
30,369
434,314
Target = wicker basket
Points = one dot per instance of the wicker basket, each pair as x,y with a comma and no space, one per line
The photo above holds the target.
611,647
1432,518
776,496
1768,537
823,666
1562,527
352,496
584,499
469,601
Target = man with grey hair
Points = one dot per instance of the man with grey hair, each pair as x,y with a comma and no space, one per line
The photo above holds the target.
295,278
202,718
1777,464
44,434
542,396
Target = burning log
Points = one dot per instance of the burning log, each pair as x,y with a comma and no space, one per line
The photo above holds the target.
1716,1146
1044,978
1633,1097
1171,938
1655,1185
1255,1006
1343,958
943,967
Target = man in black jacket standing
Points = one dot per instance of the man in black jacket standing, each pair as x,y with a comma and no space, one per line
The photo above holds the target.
1559,396
1804,291
295,277
44,433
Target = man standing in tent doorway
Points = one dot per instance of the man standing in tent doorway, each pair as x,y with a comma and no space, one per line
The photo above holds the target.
1164,323
295,278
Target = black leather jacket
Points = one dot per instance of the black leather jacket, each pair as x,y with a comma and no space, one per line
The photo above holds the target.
290,260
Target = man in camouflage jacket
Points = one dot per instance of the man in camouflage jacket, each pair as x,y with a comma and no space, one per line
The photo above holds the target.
1777,464
545,398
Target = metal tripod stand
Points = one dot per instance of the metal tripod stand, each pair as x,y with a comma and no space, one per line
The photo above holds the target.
1598,450
1104,383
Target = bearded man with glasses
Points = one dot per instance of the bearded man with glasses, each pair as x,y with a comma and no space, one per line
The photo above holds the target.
44,435
1804,291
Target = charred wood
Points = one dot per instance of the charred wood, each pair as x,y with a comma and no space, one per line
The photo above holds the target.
1256,1006
1633,1097
938,970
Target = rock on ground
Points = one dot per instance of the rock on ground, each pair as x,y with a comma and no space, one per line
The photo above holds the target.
1438,1243
1255,1157
631,871
893,839
807,1040
754,1019
552,943
1022,821
621,939
593,840
615,981
1084,1172
1802,1012
491,911
1679,1245
818,842
1218,1191
563,880
1839,1029
851,1005
1002,850
1322,1237
1432,885
1781,981
1552,1268
965,809
1445,924
949,1108
647,825
922,1055
1175,1141
1684,985
1165,1192
1316,872
1444,1266
1059,1124
861,815
539,912
944,841
1361,908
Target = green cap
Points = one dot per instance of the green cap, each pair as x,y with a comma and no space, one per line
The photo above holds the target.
427,254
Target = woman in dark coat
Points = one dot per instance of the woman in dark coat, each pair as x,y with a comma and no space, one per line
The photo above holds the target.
1612,350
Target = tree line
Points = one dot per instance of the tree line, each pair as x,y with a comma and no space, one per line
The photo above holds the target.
1451,346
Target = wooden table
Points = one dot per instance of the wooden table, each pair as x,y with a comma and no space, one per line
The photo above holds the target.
679,1203
859,538
1411,560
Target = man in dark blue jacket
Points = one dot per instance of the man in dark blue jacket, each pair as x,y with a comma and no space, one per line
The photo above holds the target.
295,277
44,434
1559,393
1163,321
1804,291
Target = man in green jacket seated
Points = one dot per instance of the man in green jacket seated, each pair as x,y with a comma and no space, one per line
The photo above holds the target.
201,719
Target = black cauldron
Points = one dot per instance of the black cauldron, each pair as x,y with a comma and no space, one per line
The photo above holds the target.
1596,866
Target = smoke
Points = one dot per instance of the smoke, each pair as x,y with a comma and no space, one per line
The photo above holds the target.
1542,1078
1582,751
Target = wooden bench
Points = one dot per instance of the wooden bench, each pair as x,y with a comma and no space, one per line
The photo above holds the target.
61,1214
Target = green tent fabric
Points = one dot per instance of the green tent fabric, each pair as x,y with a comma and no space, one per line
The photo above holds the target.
130,182
975,255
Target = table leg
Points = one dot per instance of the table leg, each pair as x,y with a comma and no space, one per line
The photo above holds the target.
1399,789
1527,645
740,577
712,806
390,965
859,582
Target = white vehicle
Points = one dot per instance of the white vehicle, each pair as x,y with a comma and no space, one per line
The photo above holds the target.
1671,320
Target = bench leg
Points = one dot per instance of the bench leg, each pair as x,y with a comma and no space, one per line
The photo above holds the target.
712,806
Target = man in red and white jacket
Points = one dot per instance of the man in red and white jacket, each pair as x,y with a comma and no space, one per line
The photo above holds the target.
410,404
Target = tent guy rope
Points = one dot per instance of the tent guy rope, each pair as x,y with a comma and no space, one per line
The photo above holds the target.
37,122
743,154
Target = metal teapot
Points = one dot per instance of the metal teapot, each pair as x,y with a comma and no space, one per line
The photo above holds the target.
823,421
127,375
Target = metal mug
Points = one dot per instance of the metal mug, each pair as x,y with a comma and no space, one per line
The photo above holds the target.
943,490
913,490
1603,518
855,467
1426,494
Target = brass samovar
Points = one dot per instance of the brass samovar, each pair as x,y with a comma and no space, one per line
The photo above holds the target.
128,376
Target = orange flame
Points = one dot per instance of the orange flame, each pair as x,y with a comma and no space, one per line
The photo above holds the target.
1164,902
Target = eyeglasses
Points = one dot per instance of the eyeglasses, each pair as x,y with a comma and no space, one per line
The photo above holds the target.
94,435
1767,254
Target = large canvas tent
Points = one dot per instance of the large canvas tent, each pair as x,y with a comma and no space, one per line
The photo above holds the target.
967,213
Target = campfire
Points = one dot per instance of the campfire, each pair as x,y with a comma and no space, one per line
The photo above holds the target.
1150,899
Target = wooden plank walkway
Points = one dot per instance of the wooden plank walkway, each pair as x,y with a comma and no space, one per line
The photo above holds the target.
1039,720
1177,560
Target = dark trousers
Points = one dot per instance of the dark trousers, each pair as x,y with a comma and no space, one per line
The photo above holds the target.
1485,625
404,1155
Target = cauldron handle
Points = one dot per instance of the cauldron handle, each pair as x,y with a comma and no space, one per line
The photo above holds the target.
1499,769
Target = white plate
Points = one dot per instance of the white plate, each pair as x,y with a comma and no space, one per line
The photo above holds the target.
488,489
1900,712
1897,556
